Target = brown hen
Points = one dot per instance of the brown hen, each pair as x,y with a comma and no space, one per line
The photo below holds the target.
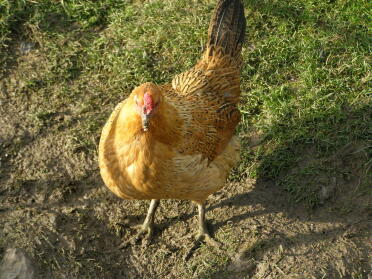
176,141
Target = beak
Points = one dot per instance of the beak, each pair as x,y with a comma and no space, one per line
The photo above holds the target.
145,121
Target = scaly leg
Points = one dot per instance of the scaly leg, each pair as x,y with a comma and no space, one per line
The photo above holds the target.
203,234
203,231
147,228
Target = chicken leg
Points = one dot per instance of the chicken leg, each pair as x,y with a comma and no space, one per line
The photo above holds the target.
203,234
147,228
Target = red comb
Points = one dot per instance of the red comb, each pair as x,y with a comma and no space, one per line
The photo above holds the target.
148,103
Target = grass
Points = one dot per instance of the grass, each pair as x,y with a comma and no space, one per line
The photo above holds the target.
306,80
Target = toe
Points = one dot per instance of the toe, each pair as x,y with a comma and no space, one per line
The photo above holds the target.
210,241
144,235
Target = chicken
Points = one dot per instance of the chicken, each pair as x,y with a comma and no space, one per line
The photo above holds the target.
176,141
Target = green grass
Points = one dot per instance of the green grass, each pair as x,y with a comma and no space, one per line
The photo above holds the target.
305,82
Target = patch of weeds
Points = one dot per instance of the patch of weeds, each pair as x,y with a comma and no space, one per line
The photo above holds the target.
211,263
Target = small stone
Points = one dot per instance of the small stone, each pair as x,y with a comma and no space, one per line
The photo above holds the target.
328,190
16,265
26,47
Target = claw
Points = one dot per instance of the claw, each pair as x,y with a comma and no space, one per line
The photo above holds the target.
145,234
203,235
208,240
146,231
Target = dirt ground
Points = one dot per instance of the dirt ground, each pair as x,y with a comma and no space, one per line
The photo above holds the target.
53,204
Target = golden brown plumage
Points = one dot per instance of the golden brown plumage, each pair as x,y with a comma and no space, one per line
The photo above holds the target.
176,141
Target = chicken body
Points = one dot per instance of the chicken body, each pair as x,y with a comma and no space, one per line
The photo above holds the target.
186,153
176,141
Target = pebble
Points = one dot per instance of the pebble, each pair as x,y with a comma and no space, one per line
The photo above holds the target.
16,265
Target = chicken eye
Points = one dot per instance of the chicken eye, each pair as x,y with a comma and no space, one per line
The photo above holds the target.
136,100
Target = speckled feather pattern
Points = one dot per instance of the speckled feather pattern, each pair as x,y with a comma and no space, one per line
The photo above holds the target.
190,147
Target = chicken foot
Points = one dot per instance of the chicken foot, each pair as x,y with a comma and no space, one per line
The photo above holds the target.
203,234
147,228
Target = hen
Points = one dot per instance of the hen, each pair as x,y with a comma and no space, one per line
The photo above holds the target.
176,141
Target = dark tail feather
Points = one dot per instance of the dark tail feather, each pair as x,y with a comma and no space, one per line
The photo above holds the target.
227,27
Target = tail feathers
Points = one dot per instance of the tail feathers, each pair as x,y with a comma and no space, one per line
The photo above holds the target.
227,27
